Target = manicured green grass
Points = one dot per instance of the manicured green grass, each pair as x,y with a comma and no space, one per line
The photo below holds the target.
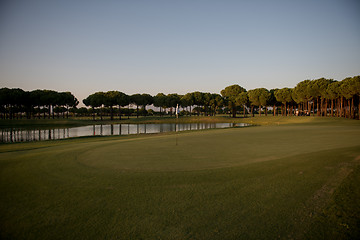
267,182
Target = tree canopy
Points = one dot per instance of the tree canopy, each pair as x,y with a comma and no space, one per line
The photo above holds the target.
324,97
230,94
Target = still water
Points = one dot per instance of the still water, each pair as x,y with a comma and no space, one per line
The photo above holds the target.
21,135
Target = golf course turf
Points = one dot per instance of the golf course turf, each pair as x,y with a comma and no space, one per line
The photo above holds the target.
295,178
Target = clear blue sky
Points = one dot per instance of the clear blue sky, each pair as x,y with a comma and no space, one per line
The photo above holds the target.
175,46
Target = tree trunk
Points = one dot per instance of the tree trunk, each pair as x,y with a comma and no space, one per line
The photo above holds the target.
111,113
290,109
285,110
352,108
312,108
137,111
332,107
119,112
11,112
322,113
359,108
303,108
345,109
317,106
260,110
341,106
308,108
321,107
144,110
325,107
336,107
274,110
233,111
244,111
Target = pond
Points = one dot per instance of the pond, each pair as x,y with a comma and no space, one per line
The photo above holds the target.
28,135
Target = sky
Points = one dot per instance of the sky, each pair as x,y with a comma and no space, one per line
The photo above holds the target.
151,46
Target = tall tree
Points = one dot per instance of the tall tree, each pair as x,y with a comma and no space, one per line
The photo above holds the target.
198,99
356,88
230,94
172,100
333,93
207,102
111,100
302,94
264,98
349,91
273,102
283,95
35,99
47,100
259,97
147,99
69,101
136,99
95,100
216,101
253,96
242,100
160,101
187,101
122,100
318,89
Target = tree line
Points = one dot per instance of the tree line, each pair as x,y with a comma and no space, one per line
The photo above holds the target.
17,103
321,97
206,103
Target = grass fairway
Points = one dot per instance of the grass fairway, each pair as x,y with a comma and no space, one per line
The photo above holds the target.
290,181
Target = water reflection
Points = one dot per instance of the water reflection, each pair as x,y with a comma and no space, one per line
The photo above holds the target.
20,135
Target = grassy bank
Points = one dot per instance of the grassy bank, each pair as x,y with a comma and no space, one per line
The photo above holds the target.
283,180
74,122
257,120
44,123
